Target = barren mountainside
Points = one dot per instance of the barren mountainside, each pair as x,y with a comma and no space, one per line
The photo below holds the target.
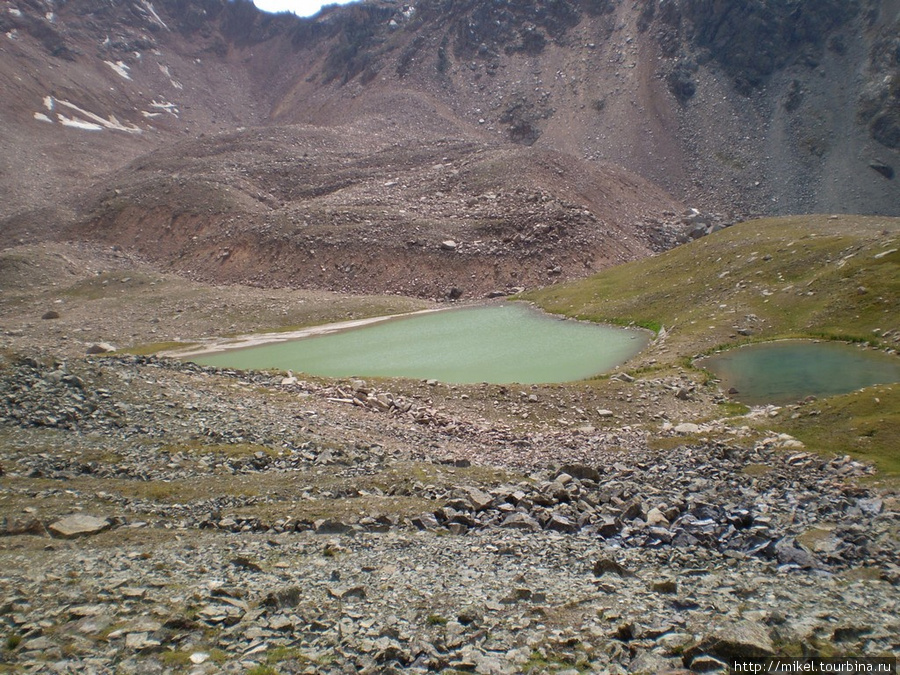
241,145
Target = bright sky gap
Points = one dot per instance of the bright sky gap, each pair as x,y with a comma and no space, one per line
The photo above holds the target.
298,7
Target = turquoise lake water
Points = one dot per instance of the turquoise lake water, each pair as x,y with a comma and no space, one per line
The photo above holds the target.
499,344
790,370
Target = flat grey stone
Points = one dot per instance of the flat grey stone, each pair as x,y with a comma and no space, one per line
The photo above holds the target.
78,525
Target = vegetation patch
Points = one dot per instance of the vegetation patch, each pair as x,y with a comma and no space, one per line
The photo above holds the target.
800,276
864,424
825,277
756,469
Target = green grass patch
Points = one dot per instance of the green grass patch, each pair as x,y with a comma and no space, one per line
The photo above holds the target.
755,469
805,276
262,670
826,277
864,424
733,408
282,654
176,659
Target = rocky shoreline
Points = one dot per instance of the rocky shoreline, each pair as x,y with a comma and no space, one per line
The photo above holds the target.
163,517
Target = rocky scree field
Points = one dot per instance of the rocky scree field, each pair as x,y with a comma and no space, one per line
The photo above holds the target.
163,517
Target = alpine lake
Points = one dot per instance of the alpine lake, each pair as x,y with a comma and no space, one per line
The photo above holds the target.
500,344
790,370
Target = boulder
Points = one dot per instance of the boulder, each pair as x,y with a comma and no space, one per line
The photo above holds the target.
521,521
100,348
655,518
687,428
78,525
735,641
610,566
478,499
581,472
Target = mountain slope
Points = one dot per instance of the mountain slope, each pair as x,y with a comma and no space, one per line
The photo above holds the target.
363,212
745,107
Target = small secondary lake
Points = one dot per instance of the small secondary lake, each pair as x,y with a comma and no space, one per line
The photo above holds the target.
499,344
790,370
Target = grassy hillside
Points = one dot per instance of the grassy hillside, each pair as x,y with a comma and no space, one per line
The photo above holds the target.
821,276
812,276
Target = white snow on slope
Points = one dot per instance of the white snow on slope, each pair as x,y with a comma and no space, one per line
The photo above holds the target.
110,123
85,120
149,7
170,108
120,68
78,124
165,71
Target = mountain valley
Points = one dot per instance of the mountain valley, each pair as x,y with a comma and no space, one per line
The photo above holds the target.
176,173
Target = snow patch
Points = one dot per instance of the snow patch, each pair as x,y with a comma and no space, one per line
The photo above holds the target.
149,7
150,114
109,123
120,67
165,71
170,108
50,16
12,34
15,11
85,120
78,124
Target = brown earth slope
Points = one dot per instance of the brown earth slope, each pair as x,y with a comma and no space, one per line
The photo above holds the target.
499,127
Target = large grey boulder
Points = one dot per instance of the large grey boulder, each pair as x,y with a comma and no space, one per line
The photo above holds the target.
78,525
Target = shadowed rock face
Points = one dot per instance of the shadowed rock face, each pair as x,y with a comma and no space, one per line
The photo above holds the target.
751,39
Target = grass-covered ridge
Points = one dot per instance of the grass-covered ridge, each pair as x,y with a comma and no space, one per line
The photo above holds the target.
834,277
815,276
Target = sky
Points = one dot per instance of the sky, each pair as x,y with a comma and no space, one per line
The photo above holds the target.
298,7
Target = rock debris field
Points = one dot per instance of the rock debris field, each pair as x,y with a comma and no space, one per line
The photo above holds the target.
162,517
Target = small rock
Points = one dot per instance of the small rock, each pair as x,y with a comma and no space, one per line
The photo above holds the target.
708,664
100,348
610,566
328,526
655,518
521,521
140,641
